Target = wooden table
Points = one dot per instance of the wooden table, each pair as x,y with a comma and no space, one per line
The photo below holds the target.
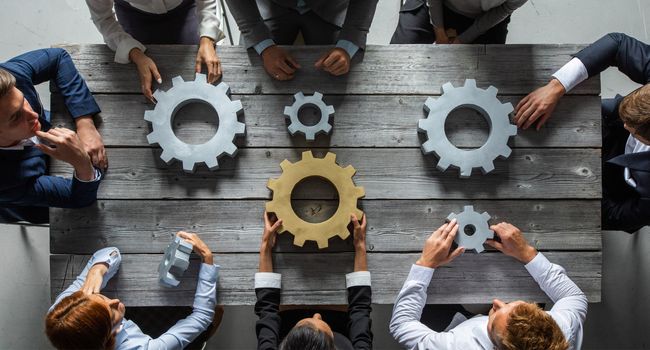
550,186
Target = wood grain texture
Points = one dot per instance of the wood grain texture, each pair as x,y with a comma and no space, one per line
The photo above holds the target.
359,121
315,279
228,226
392,69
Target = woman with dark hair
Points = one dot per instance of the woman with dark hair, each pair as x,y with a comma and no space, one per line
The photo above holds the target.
297,329
82,318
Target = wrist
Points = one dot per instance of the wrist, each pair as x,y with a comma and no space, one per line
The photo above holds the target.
84,169
207,258
84,122
135,55
528,255
557,88
206,40
100,268
424,263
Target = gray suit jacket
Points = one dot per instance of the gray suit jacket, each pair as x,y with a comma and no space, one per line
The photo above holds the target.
353,16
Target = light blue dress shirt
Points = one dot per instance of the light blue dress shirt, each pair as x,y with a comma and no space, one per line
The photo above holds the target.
177,337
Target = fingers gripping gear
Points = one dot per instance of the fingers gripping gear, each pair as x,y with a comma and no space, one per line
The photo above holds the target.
310,131
483,101
175,261
181,94
473,228
326,168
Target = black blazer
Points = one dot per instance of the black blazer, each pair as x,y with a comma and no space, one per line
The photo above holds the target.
268,326
632,58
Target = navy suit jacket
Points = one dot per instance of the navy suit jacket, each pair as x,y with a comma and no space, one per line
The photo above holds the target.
23,179
632,58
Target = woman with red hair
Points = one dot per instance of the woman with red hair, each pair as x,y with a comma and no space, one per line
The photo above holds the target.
82,318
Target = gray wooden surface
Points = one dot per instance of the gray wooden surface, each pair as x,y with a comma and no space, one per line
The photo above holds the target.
550,187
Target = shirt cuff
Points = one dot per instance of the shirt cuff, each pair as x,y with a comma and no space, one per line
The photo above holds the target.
110,256
348,46
572,74
539,265
124,47
96,177
359,278
209,273
211,32
421,274
263,45
268,280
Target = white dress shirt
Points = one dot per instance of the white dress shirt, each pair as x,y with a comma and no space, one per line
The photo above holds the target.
103,15
569,311
274,280
574,73
182,333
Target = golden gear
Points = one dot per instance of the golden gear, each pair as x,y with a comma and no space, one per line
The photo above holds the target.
326,168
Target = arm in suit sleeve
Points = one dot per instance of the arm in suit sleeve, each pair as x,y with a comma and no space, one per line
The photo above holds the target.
357,21
249,20
267,307
627,214
359,301
629,55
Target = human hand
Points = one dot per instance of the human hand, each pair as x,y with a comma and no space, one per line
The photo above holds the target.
198,246
359,232
92,142
94,279
278,63
441,36
271,226
66,146
336,61
512,242
539,105
146,70
207,55
456,41
436,251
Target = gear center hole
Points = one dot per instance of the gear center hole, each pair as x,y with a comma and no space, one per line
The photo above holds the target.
309,114
195,122
314,199
467,127
469,230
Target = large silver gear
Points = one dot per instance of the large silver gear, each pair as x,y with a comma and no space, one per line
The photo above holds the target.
181,94
487,104
310,131
472,222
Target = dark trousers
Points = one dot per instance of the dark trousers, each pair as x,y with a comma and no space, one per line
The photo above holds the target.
178,26
284,28
414,26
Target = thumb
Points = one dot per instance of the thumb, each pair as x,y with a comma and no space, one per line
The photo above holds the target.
319,63
197,66
494,244
456,253
156,74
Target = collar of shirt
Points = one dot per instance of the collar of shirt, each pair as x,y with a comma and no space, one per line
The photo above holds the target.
633,146
23,144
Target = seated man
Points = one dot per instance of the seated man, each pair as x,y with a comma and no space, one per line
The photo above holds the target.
82,318
265,23
277,331
514,325
26,138
626,125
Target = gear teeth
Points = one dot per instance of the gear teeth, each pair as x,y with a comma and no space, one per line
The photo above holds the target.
240,128
287,111
322,243
479,249
327,129
285,165
359,192
428,147
330,157
505,152
470,83
310,131
299,241
507,108
486,216
468,208
318,95
447,87
343,234
292,129
487,167
223,88
299,96
189,166
272,184
422,125
212,164
167,156
493,91
231,149
310,136
350,170
511,130
329,110
443,164
159,95
236,106
465,172
201,78
152,138
149,116
430,102
177,80
308,155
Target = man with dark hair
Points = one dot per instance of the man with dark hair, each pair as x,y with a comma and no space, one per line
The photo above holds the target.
509,326
27,138
626,125
301,332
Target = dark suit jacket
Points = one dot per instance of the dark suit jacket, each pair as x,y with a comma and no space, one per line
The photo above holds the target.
23,179
353,16
268,326
632,58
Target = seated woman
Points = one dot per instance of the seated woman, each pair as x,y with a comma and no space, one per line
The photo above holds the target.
454,21
312,333
82,318
128,25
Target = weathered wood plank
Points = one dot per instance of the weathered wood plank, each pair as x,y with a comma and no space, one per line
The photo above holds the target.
314,279
359,121
392,69
236,226
385,174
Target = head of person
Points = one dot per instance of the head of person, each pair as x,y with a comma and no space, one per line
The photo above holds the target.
82,321
634,111
18,121
309,334
522,325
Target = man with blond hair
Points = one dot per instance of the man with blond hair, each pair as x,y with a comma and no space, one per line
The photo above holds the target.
509,326
27,138
626,125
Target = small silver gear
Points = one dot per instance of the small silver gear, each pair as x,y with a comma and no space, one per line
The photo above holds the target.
176,260
473,228
181,94
310,131
487,104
